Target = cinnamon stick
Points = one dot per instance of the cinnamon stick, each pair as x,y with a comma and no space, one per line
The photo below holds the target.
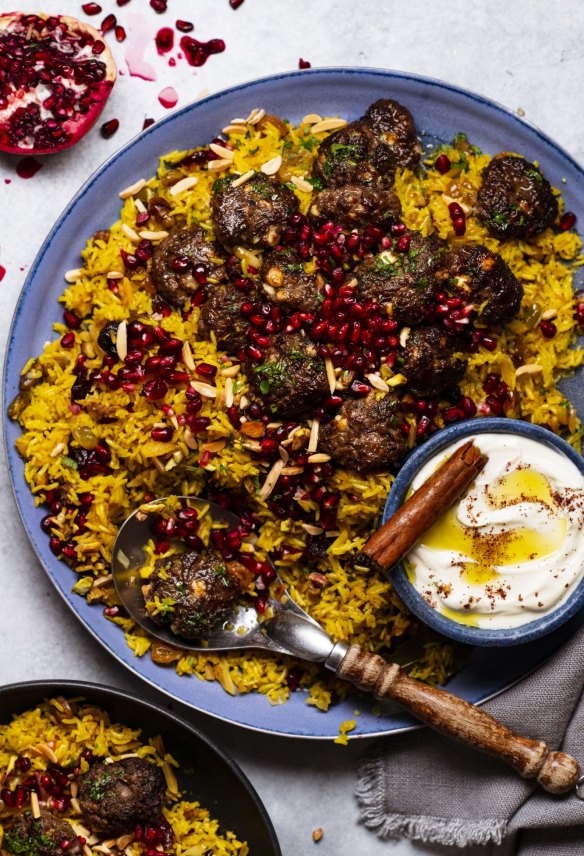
399,534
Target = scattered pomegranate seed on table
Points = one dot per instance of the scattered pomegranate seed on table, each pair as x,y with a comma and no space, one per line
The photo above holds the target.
159,6
184,26
120,33
303,63
235,4
108,23
91,8
108,129
164,40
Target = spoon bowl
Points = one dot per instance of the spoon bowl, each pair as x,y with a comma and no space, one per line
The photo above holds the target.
289,630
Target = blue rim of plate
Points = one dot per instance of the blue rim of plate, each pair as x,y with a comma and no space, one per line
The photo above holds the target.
410,595
343,91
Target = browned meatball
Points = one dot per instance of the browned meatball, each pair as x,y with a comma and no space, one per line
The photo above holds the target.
395,126
115,797
253,214
353,155
199,590
287,284
354,205
175,258
515,200
432,360
482,277
41,836
365,435
408,281
291,378
221,315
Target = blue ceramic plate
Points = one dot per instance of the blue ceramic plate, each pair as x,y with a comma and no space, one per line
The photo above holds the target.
439,110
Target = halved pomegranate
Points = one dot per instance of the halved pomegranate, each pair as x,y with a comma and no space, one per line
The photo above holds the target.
56,74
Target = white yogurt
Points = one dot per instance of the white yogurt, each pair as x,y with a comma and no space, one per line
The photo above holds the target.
513,548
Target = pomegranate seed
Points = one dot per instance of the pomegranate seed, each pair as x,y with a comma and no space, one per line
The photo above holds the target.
302,63
120,34
567,221
495,405
108,23
235,4
423,424
468,406
91,8
580,312
111,611
154,390
108,129
164,40
22,764
548,329
184,26
98,48
442,164
206,370
403,244
453,414
147,123
68,340
8,797
159,6
162,435
269,445
489,343
71,320
359,389
459,225
200,424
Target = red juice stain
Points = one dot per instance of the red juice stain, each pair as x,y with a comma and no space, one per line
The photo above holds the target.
168,97
7,180
2,273
172,62
197,53
27,167
164,40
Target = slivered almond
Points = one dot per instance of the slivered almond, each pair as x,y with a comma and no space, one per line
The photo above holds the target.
183,184
187,357
114,274
271,479
216,165
272,166
231,371
292,471
243,178
246,255
311,119
133,189
34,805
312,530
377,382
528,369
234,129
158,464
283,454
122,340
222,151
74,275
177,456
301,183
549,314
153,236
139,205
238,121
130,233
189,439
328,125
252,429
253,447
56,450
256,115
102,581
229,392
313,441
330,374
403,336
204,389
318,458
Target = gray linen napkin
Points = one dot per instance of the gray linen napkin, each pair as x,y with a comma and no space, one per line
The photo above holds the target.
424,787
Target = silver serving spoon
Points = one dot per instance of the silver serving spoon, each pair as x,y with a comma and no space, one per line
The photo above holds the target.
291,631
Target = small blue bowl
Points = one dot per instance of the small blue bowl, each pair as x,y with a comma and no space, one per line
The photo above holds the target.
411,597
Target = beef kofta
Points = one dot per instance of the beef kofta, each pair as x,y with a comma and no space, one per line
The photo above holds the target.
354,205
221,315
515,200
287,284
291,378
194,592
393,123
115,797
353,155
483,278
365,435
175,258
432,360
253,214
42,836
408,281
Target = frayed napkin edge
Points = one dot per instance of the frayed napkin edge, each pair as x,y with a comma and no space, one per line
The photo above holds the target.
456,832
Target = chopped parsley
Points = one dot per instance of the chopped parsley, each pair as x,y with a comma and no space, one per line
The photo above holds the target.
272,375
222,183
317,183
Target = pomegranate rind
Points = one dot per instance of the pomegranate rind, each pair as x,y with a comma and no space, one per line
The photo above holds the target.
78,127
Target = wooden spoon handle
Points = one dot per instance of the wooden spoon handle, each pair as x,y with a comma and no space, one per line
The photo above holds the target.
556,772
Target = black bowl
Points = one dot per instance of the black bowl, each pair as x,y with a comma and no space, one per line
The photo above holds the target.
206,773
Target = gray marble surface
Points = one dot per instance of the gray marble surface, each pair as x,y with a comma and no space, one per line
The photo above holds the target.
525,54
